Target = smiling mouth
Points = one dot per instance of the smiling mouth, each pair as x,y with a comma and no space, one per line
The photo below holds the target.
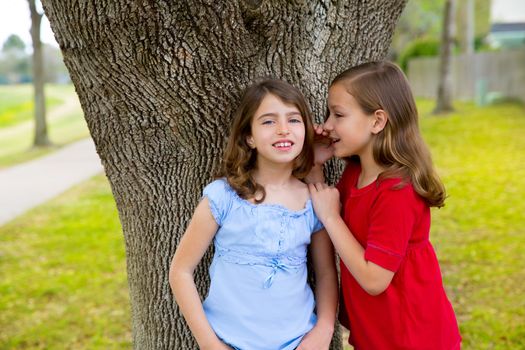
285,144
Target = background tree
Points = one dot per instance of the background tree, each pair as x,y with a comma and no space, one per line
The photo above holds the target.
158,81
421,20
41,138
444,95
472,24
13,42
420,26
14,61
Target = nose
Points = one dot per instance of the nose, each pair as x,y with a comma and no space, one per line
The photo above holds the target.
328,124
283,129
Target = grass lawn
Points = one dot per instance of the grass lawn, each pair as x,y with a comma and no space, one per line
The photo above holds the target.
62,275
480,235
16,127
16,104
62,269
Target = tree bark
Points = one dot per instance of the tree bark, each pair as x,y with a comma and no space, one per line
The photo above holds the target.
41,138
158,82
444,97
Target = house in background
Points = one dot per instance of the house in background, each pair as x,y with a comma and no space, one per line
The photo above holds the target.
507,35
507,18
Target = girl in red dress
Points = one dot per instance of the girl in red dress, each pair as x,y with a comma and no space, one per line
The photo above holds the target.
392,292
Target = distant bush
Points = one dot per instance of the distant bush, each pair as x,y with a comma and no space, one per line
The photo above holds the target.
429,47
482,45
418,48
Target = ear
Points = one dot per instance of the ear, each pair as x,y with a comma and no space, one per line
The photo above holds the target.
249,141
380,119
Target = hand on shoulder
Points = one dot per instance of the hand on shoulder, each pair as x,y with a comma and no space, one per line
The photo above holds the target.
325,200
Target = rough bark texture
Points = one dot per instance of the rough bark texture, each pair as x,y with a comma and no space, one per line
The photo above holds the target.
41,137
444,96
158,81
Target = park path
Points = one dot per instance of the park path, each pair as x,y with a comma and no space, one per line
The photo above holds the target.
27,185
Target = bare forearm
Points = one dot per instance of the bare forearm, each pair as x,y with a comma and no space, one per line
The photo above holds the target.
353,256
190,305
326,299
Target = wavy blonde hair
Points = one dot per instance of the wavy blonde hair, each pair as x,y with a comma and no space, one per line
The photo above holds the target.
240,160
399,147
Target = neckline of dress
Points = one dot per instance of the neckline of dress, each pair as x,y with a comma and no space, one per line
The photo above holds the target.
270,205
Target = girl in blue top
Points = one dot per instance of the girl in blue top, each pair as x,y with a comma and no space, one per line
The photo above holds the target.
261,220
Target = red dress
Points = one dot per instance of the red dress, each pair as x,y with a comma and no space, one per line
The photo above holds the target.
393,227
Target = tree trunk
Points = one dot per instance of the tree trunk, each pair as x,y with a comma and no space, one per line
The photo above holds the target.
444,97
470,17
158,82
41,138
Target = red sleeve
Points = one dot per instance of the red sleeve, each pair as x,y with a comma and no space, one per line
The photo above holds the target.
392,219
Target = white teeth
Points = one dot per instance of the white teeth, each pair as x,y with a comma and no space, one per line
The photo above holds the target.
282,144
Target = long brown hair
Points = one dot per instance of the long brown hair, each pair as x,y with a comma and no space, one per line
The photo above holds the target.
399,147
240,160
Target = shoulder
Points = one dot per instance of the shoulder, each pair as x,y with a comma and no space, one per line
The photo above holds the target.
301,189
399,191
220,197
218,185
219,191
395,187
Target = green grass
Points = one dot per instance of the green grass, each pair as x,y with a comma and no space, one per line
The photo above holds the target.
62,274
480,235
16,139
63,277
16,103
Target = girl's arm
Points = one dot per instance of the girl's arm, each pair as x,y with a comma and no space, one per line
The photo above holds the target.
373,278
326,294
193,245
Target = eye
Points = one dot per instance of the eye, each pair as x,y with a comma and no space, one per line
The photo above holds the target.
338,115
295,120
267,122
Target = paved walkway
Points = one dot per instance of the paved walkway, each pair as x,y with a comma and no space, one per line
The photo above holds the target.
27,185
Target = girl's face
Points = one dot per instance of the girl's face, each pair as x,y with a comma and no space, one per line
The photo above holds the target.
278,131
349,127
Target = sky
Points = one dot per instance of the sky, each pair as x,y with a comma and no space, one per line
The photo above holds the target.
15,18
506,11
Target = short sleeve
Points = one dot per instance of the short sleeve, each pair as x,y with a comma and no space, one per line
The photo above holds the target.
219,196
392,220
318,225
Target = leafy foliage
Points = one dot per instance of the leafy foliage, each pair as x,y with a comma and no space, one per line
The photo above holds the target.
419,48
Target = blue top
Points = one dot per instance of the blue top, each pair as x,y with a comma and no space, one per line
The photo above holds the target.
259,298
